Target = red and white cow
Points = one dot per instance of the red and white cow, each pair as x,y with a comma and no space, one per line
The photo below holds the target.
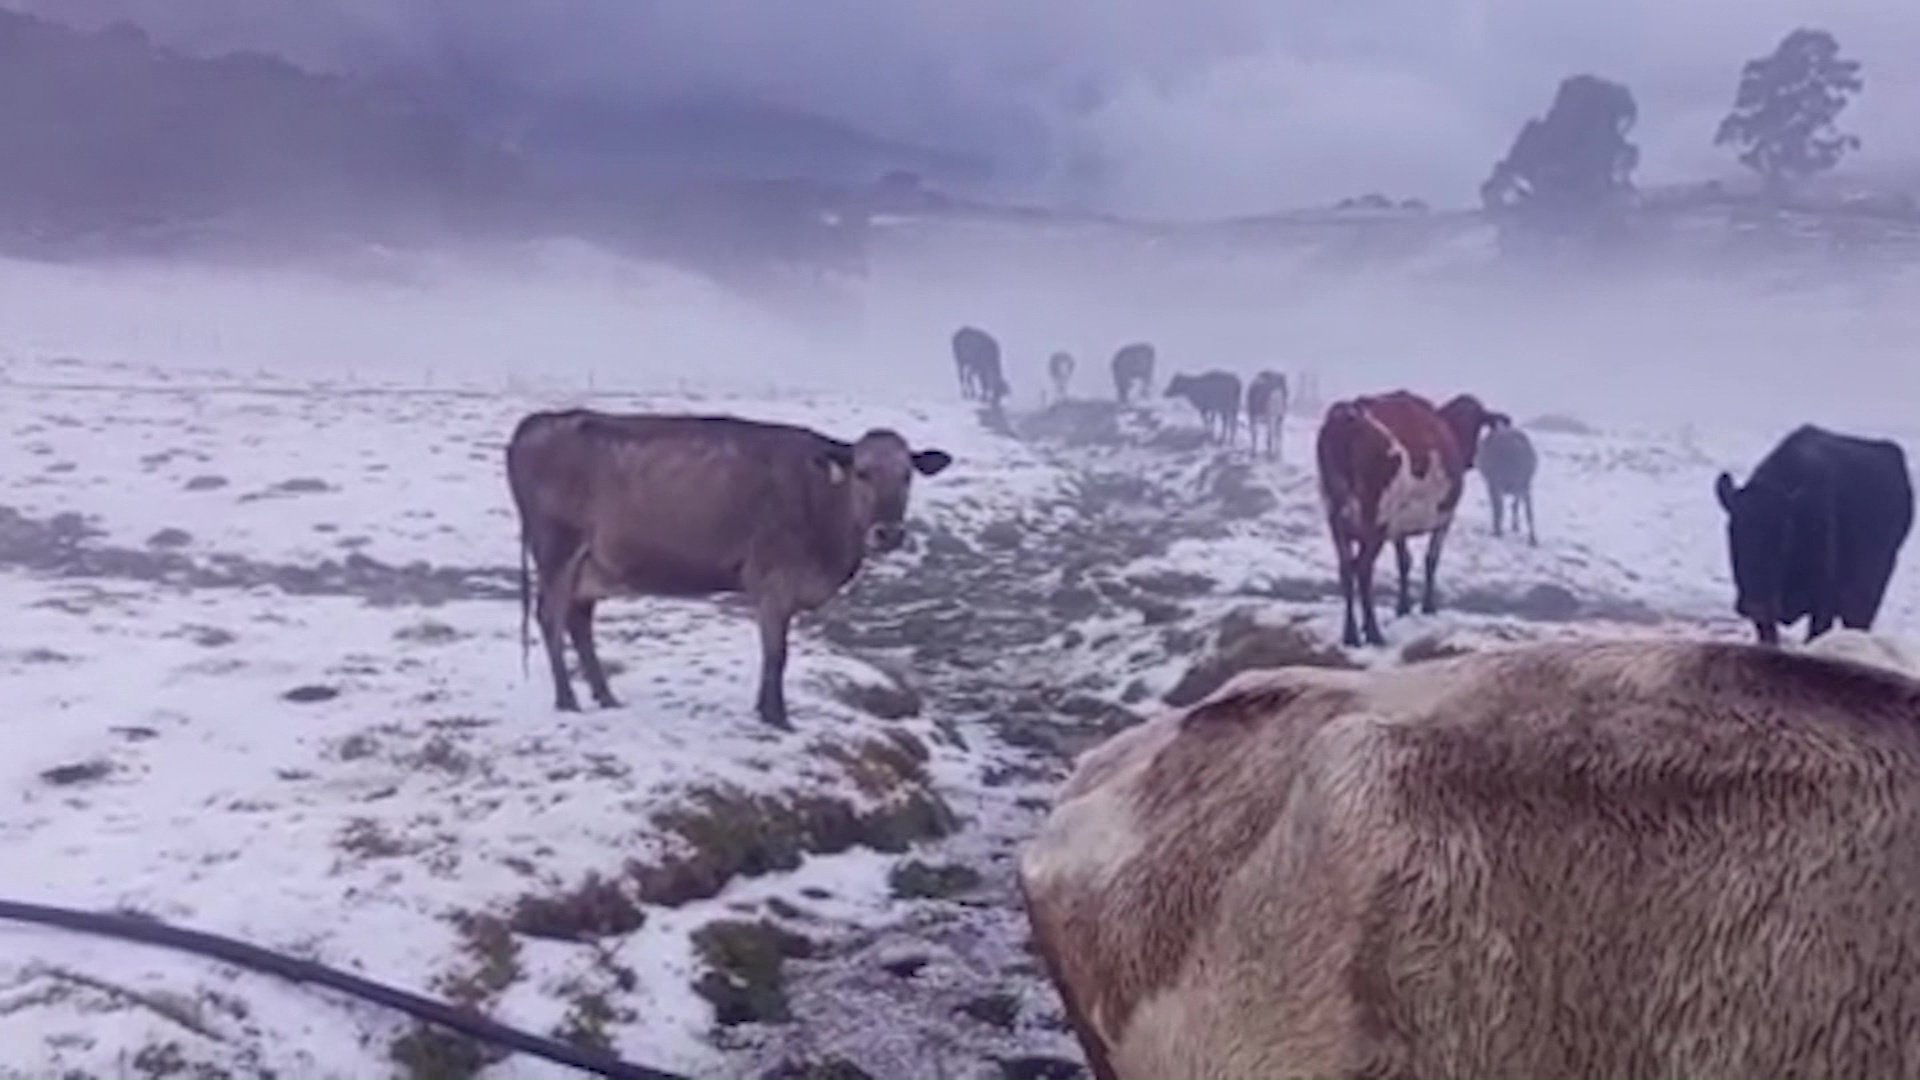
1391,468
1630,858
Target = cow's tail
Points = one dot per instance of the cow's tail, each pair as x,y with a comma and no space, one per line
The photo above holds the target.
526,609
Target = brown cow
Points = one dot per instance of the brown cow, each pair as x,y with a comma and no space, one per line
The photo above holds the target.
1391,468
1651,858
684,506
1267,410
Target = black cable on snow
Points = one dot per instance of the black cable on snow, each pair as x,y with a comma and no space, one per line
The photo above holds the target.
147,931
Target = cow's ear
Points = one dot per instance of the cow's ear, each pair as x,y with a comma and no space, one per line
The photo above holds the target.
931,462
836,463
1723,490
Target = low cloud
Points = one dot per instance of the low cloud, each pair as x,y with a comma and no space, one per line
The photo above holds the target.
1139,106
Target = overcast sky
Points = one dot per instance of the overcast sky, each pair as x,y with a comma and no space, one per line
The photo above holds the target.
1193,108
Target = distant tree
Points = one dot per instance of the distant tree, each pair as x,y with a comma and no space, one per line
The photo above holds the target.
1784,110
1572,166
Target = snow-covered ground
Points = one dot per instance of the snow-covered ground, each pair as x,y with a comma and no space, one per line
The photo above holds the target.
341,779
351,770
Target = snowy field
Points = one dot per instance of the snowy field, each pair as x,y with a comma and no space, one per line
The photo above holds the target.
342,778
267,684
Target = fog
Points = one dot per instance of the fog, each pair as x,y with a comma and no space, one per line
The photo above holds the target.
1135,106
1231,107
1663,350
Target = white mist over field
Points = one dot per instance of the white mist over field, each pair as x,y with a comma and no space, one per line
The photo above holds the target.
1656,349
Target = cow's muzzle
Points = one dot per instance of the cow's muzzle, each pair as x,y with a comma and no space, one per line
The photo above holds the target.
886,536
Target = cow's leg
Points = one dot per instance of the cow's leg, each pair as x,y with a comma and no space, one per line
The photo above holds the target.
1819,621
1495,499
555,605
580,630
1434,543
1363,573
1526,500
775,616
1403,560
1343,559
1860,605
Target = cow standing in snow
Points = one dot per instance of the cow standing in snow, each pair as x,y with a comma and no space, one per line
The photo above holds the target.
1267,410
1391,468
1216,395
976,357
1817,530
1060,370
1633,858
686,506
1133,370
1507,463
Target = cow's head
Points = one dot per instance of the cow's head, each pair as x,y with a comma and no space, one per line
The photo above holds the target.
1465,417
877,473
1759,537
1178,386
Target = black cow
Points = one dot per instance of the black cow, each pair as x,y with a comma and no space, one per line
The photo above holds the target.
1817,530
1216,394
976,356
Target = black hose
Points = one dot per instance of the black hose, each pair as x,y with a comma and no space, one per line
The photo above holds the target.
154,932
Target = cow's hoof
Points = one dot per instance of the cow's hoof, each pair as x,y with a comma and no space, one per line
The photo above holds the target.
775,716
606,701
567,705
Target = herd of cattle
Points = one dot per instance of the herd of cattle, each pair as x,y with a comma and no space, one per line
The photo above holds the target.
1216,395
1649,858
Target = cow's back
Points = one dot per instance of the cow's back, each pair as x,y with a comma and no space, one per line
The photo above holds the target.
975,347
1262,393
1135,358
1876,492
680,501
1870,488
1507,458
1645,858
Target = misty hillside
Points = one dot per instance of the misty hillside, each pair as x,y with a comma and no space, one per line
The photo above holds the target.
115,144
118,145
106,134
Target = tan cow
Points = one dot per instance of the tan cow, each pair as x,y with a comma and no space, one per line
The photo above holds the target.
1652,858
685,506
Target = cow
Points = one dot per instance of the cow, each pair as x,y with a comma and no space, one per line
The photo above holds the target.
687,506
1216,394
1267,410
1507,464
976,356
1816,531
1133,368
1626,858
1392,467
1060,369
